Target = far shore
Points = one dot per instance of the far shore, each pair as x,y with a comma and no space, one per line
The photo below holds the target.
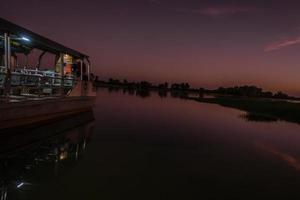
257,108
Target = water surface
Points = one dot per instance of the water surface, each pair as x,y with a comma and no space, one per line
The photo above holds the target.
153,148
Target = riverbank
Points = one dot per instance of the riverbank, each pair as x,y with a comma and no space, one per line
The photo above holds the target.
258,109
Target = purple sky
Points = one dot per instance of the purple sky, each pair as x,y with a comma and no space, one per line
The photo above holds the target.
208,43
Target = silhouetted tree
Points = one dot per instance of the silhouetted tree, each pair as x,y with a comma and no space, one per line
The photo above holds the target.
280,95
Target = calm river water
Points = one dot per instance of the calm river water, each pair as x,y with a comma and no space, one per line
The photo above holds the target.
152,148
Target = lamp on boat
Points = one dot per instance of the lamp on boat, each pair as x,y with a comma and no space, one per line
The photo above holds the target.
25,39
19,185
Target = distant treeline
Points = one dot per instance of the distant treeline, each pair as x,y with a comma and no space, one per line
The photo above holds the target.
182,88
143,84
251,91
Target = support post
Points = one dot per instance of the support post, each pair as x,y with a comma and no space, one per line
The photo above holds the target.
62,73
40,60
88,70
16,60
5,50
81,69
8,52
7,61
26,61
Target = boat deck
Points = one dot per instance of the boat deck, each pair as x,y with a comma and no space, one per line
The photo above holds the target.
14,114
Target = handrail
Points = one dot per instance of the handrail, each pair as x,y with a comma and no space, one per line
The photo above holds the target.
2,69
39,79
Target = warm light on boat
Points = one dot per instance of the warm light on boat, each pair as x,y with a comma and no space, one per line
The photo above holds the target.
63,155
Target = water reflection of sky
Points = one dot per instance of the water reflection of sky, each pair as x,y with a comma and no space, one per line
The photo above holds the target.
163,148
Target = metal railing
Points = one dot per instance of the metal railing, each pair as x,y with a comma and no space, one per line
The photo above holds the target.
37,82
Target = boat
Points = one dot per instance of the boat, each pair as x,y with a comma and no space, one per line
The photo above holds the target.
32,93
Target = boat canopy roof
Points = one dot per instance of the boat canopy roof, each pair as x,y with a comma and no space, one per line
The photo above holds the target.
28,40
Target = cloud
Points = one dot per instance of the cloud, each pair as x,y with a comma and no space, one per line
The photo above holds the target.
291,160
282,44
225,10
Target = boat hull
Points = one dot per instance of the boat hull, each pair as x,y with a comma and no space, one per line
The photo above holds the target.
42,111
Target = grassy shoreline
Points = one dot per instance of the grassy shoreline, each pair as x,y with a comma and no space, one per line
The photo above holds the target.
258,109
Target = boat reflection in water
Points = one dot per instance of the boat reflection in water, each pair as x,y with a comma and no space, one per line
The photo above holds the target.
31,159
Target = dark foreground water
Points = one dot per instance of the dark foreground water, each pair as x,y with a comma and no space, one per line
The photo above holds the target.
152,148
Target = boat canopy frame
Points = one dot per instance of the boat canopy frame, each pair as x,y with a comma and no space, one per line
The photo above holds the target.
36,41
17,39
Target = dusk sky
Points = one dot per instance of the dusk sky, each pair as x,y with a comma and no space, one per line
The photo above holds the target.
207,43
